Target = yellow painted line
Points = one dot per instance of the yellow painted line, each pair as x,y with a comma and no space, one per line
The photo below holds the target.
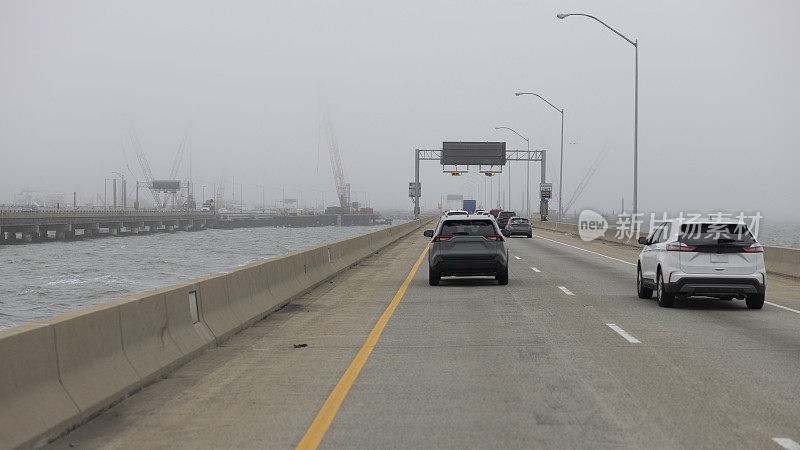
325,415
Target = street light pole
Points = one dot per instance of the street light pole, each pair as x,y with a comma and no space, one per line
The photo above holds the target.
635,44
561,168
528,176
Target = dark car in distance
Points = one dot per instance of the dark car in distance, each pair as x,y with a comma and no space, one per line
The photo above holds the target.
518,226
467,246
502,218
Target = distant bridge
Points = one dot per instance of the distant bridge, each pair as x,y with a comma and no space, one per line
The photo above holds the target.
66,224
29,226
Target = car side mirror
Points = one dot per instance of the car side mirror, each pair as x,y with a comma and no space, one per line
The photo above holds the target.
428,233
643,240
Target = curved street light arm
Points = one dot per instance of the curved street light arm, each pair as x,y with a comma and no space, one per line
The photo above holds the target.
513,131
633,43
560,110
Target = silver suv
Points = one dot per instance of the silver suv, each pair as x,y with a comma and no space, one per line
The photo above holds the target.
467,246
707,258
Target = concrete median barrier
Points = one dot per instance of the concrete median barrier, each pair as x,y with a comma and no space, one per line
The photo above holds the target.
34,407
347,252
782,260
263,295
241,295
217,312
145,337
286,276
317,264
184,320
339,258
92,364
380,239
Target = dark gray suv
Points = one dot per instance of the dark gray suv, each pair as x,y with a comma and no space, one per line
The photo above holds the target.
518,225
467,246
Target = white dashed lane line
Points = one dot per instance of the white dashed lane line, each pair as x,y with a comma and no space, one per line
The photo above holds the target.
584,250
787,309
535,269
624,333
517,257
565,290
787,443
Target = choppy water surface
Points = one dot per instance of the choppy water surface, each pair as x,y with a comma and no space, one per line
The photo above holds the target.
42,280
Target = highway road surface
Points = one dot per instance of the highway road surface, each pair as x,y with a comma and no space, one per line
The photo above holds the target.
565,356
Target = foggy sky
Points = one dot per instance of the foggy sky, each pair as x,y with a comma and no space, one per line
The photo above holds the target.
719,96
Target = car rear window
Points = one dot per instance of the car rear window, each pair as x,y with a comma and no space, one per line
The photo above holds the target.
519,221
505,214
715,234
473,227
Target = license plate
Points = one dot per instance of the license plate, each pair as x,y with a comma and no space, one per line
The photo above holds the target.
717,258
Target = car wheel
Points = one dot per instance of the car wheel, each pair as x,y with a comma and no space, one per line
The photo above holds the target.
434,277
755,301
641,289
502,277
530,235
665,299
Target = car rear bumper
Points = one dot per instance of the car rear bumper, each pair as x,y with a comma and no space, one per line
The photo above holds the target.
469,267
715,286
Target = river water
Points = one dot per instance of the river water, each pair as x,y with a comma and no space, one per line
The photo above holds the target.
42,280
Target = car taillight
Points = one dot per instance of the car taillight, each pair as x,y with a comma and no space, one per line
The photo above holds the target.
442,238
494,237
754,248
679,247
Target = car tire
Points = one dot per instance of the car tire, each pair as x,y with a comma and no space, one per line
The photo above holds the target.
642,290
755,301
530,235
434,277
502,277
665,299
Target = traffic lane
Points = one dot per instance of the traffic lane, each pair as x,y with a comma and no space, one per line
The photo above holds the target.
473,364
694,355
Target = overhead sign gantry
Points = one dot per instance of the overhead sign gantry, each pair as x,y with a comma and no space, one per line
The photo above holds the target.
457,157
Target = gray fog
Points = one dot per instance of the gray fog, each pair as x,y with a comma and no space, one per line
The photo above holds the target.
245,81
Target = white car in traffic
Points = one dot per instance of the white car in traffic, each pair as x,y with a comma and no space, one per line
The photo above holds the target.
701,258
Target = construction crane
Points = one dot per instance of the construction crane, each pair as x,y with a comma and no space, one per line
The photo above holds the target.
342,188
176,165
145,166
585,181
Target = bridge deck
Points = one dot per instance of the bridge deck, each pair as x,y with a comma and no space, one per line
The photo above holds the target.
473,364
